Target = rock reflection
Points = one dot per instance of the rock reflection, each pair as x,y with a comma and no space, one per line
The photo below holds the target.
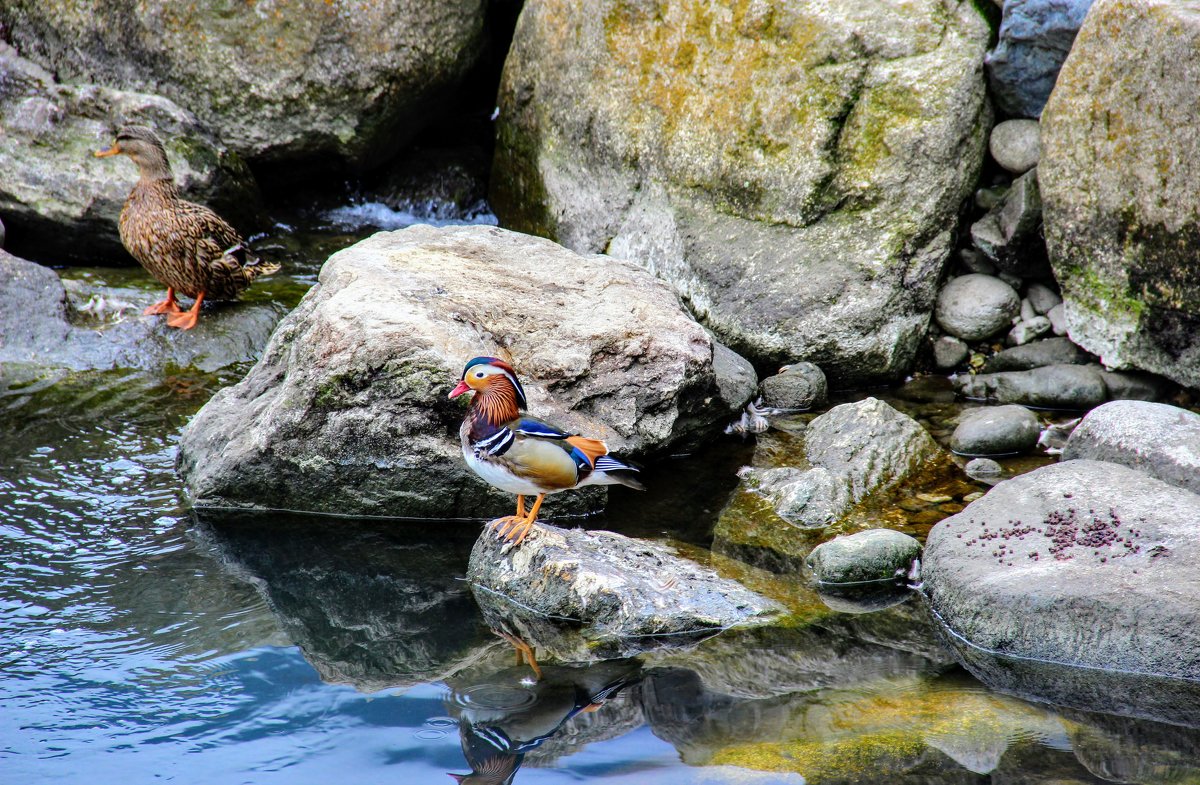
544,712
373,605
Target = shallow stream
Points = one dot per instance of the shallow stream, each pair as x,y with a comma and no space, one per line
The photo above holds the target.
142,643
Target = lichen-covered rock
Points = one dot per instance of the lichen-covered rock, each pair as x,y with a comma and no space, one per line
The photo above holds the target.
1120,179
617,587
97,327
347,411
1160,440
1034,39
273,80
61,204
872,555
1082,563
854,450
775,162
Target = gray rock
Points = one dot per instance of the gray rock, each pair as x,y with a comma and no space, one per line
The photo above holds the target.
949,352
1042,298
973,307
872,555
1034,39
1016,145
1082,562
1036,354
98,327
346,411
855,449
63,203
975,262
797,386
1156,439
1134,386
988,199
1027,311
1013,280
983,469
1026,331
1010,234
1122,240
713,180
996,430
617,587
286,82
1,234
1077,387
1058,319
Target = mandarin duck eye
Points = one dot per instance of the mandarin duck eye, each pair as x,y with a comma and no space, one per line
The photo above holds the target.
479,374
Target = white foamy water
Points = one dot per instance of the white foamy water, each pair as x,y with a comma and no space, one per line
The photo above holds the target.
381,216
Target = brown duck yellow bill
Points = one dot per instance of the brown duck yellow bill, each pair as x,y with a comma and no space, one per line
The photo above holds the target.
114,150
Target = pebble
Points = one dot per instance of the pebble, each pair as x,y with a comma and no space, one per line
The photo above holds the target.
1027,310
1028,330
949,352
982,468
1042,298
975,306
935,498
1058,319
973,496
1015,281
1016,145
975,262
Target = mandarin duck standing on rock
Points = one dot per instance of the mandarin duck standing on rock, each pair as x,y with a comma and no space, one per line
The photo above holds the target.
187,247
522,455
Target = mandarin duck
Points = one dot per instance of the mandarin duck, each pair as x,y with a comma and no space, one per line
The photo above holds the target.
523,455
185,246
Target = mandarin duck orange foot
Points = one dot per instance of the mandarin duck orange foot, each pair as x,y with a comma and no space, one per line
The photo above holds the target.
523,455
187,247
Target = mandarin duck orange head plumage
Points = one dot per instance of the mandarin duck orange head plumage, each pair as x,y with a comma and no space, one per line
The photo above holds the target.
523,455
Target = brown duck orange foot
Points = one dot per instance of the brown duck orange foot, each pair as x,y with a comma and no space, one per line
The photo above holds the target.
168,305
186,320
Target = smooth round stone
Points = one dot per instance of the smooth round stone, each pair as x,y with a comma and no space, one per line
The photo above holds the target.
797,386
1042,297
983,469
996,430
1016,145
973,307
949,352
872,555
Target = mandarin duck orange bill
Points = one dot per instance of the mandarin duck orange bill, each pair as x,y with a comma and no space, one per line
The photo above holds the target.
186,246
522,455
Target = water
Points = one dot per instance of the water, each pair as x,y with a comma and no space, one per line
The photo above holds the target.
139,643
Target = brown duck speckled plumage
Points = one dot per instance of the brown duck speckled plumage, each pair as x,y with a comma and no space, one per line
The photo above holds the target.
185,246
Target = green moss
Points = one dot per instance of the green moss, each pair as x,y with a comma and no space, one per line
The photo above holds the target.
858,759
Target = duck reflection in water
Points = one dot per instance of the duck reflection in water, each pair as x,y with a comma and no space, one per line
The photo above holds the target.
507,713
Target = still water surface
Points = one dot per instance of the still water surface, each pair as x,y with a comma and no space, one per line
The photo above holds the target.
141,643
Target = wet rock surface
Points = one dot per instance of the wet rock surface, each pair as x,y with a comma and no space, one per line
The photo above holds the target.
45,325
872,555
276,83
617,587
347,412
1083,563
853,450
705,173
61,203
1159,440
975,306
1077,387
996,430
1121,243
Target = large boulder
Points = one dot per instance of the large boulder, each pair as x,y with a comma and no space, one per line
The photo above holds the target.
615,586
347,409
776,163
1035,37
1162,441
852,451
62,204
91,326
273,80
1120,180
1083,563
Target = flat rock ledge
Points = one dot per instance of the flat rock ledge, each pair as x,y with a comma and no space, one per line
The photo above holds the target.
1081,563
1157,439
616,586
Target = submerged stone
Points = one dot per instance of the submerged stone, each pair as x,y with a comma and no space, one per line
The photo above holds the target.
872,555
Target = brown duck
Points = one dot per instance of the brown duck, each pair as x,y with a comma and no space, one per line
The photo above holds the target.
185,246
